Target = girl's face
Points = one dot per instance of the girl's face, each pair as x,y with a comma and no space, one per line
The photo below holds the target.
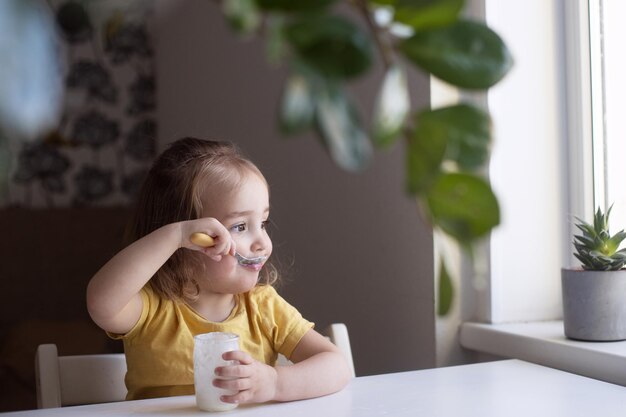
244,212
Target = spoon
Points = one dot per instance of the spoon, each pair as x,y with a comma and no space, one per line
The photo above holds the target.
206,241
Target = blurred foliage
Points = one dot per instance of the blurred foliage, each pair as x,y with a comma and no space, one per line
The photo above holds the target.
325,49
447,149
31,85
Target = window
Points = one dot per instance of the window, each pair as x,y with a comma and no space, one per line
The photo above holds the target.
558,154
529,165
528,172
559,124
542,166
608,86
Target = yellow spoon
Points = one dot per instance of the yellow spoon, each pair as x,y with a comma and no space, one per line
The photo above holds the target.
202,239
206,241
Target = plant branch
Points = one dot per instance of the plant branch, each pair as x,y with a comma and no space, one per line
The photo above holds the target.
385,51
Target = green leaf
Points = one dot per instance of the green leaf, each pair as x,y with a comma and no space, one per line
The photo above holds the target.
275,48
600,220
427,14
617,239
468,132
293,6
584,241
341,130
426,149
242,15
464,206
331,45
466,54
297,105
446,290
391,108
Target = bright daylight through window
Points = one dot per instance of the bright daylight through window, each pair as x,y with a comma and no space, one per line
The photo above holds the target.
608,66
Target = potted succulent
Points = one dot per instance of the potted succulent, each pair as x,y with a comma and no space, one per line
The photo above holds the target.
594,307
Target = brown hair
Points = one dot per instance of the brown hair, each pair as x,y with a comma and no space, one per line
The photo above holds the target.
172,192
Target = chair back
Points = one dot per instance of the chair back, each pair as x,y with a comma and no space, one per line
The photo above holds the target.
90,379
338,334
77,380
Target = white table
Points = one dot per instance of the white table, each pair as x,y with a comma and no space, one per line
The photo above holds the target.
509,388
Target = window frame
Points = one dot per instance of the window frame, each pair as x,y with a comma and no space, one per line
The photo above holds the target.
554,56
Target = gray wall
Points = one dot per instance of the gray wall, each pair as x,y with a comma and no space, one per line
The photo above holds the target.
354,247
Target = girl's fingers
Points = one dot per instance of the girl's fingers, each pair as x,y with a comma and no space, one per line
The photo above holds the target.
240,398
210,236
239,384
227,247
241,370
216,258
252,380
238,355
233,371
221,248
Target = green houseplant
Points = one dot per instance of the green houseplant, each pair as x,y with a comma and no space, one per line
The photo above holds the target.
326,45
593,296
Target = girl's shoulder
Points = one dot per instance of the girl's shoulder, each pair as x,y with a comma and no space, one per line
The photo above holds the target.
151,295
274,313
155,304
264,298
262,293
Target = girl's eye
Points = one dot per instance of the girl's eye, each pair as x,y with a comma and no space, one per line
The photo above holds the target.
241,227
265,224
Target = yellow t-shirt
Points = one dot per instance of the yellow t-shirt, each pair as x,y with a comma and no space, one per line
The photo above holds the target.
159,348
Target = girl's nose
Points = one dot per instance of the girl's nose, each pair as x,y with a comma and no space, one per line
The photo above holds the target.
261,243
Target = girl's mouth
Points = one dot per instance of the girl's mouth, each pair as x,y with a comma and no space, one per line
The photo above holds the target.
255,267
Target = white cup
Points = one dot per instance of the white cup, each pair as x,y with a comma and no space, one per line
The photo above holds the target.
207,355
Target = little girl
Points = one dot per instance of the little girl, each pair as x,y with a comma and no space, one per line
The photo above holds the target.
162,290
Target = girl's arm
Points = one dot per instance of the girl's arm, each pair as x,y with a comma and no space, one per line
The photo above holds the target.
113,298
319,369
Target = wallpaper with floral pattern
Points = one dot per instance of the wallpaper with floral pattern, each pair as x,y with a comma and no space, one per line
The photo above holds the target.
106,140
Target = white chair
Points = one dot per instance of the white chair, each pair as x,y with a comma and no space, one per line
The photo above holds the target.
76,380
90,379
338,334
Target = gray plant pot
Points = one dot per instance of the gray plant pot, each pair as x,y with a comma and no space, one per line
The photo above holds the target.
594,304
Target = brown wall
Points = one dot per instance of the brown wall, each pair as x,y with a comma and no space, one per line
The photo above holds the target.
358,250
354,247
47,257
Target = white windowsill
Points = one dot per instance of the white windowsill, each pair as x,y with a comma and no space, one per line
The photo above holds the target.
544,343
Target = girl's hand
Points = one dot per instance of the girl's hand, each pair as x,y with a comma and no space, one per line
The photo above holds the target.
254,381
224,244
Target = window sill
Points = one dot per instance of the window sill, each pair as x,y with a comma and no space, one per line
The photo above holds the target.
544,343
